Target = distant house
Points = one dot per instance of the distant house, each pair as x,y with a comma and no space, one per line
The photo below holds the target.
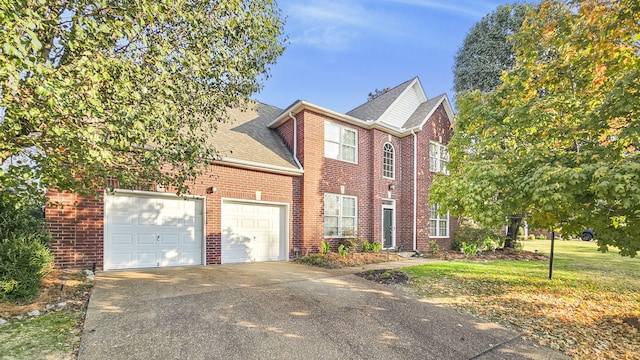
286,180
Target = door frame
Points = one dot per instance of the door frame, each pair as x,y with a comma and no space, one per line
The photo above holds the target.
389,204
151,194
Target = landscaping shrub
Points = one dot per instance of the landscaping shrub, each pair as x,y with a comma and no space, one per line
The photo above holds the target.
482,238
343,251
373,247
23,265
325,248
350,243
434,248
25,258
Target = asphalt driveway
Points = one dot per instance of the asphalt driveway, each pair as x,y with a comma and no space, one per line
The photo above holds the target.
280,311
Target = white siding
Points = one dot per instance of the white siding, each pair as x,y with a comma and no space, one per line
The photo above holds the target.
399,112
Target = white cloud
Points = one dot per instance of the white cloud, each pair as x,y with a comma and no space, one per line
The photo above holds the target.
331,24
468,8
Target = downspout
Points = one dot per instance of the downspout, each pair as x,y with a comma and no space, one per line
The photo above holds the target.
295,140
415,190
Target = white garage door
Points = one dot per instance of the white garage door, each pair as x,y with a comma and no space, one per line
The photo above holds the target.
253,232
150,231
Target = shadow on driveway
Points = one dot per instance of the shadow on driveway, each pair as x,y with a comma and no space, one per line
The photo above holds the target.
280,310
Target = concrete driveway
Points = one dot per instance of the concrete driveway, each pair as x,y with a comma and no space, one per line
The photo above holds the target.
280,311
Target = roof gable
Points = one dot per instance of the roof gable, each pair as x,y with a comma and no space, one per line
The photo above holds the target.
404,106
373,109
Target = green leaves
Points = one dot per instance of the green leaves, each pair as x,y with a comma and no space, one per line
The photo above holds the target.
88,85
559,138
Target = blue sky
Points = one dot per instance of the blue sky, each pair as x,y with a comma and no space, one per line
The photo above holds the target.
340,50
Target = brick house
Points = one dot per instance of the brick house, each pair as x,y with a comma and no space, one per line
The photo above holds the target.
285,181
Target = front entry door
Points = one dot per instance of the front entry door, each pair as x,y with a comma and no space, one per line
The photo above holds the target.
387,228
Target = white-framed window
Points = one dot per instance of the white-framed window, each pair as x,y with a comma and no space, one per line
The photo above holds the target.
340,215
340,142
438,158
438,224
388,161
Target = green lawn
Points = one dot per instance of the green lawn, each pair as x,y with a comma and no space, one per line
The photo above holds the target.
586,310
50,336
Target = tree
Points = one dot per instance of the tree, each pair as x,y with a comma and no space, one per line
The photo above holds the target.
487,50
559,138
125,90
376,93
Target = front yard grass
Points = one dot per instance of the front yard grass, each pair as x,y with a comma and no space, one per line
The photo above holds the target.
589,310
54,335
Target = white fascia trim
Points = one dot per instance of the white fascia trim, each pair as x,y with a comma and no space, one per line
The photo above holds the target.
300,105
250,165
447,109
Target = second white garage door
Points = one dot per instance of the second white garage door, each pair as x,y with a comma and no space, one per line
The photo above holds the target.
253,231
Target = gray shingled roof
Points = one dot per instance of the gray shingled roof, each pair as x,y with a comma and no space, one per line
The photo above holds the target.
420,115
248,138
373,109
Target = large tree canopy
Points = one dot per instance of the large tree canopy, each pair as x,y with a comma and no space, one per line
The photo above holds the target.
125,89
559,139
487,50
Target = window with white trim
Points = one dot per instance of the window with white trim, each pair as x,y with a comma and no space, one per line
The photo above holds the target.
438,224
340,215
340,142
388,161
438,158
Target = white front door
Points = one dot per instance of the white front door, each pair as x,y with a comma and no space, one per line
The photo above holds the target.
253,231
151,230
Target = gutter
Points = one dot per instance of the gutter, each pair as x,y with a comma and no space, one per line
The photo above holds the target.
295,140
259,166
415,190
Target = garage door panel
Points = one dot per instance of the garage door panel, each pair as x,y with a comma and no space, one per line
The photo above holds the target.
253,232
145,231
122,239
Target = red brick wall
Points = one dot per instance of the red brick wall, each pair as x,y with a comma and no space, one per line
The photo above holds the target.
365,180
78,226
438,129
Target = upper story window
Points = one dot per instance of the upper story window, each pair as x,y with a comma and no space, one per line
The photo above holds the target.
438,224
340,215
340,142
388,161
438,158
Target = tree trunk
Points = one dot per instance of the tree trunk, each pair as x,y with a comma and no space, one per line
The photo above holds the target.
512,231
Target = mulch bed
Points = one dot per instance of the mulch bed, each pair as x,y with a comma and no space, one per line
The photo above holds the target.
75,295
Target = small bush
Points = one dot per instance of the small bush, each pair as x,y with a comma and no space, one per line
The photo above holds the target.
532,237
482,238
343,251
434,248
366,246
325,248
542,237
469,249
376,247
518,246
351,243
23,265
